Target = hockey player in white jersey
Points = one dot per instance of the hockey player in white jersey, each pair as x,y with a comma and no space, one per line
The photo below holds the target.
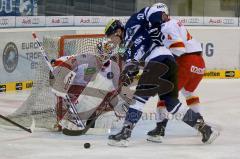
92,88
159,75
191,66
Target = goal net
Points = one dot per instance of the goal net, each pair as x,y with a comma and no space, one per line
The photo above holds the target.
42,105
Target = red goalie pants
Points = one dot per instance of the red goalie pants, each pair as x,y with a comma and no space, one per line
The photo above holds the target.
191,68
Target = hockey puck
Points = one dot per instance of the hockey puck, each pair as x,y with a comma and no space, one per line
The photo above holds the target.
87,145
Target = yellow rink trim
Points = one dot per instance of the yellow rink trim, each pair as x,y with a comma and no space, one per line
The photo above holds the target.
16,86
221,74
216,74
209,74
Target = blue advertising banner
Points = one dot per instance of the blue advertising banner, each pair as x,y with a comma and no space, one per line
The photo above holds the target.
18,7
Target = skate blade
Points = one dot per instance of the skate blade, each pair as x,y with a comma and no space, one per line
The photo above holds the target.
122,143
213,137
157,139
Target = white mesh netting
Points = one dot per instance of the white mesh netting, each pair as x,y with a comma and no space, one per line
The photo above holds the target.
41,103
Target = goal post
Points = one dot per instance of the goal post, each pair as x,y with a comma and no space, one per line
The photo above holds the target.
84,40
42,104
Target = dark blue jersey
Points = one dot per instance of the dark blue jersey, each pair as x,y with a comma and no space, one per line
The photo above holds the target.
142,33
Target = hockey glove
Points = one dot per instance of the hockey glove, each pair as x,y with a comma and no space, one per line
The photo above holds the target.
131,68
130,71
121,51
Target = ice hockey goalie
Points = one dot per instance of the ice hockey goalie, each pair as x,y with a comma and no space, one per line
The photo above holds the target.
92,84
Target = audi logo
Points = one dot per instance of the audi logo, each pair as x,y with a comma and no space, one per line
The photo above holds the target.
95,20
30,21
35,21
4,21
183,21
64,20
228,21
193,20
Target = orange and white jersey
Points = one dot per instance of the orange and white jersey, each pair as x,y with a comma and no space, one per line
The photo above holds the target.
178,39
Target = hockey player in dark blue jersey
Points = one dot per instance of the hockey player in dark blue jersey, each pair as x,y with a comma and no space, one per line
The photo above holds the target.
140,42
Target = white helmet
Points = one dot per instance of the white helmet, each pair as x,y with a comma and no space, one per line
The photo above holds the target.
162,7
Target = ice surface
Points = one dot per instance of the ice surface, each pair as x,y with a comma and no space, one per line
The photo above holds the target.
220,100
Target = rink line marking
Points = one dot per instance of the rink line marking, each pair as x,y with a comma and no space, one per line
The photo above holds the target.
13,104
15,139
31,136
25,136
9,100
221,99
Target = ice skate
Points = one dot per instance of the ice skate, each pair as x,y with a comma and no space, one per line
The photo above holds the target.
157,134
208,133
121,138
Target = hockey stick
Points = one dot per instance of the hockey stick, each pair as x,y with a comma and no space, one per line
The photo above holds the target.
92,118
71,106
69,132
16,124
42,51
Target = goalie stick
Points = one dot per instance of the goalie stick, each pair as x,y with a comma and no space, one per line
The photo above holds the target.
16,124
92,119
106,101
69,132
71,106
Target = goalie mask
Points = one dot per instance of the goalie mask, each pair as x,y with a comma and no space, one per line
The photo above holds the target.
105,50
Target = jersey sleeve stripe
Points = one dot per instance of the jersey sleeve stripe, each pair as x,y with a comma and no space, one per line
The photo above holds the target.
63,64
177,45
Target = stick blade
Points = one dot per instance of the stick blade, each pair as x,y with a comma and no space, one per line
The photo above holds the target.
32,127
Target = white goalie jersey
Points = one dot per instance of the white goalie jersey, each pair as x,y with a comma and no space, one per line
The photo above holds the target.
91,84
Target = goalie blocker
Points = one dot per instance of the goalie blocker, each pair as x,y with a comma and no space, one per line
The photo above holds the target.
94,89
